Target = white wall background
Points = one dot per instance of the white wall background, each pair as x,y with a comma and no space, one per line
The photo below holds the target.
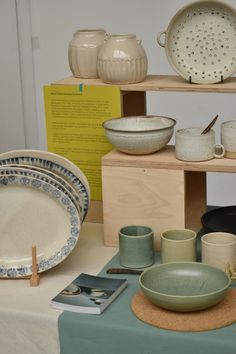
52,24
12,135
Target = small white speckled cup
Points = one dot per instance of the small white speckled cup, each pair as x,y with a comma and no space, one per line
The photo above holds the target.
192,145
228,138
219,249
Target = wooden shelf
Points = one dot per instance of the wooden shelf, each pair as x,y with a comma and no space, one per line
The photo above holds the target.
155,190
169,83
165,159
122,172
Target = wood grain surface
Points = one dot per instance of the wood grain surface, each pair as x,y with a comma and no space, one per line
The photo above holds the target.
140,196
171,83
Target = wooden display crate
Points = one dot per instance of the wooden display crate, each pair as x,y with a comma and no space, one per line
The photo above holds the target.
173,203
155,190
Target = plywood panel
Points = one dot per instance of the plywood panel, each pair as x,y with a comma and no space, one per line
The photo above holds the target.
195,199
133,103
150,197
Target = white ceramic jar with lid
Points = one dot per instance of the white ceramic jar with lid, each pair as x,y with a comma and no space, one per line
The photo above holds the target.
83,52
122,60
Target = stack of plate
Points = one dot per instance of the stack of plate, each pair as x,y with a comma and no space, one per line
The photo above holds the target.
44,199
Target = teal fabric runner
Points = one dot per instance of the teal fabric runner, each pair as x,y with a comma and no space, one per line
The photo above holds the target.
118,331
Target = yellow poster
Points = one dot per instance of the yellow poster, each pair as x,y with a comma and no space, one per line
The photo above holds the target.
74,117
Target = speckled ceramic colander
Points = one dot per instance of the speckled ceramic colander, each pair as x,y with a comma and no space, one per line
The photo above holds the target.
200,42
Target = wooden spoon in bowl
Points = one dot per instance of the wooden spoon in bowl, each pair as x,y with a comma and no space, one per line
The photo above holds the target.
209,125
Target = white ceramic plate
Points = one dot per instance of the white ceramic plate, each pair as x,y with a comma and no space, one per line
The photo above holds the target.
68,187
56,164
34,212
200,41
33,173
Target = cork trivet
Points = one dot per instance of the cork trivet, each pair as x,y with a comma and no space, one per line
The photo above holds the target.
221,315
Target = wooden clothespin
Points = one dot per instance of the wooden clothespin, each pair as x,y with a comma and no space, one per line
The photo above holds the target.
35,277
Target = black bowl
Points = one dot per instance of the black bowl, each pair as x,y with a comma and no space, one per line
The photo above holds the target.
221,219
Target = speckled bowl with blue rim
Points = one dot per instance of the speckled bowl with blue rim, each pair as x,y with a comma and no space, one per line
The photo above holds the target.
139,135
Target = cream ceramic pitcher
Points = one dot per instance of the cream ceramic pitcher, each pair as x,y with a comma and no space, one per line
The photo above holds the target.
122,60
83,52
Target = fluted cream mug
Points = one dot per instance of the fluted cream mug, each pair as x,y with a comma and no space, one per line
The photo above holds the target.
83,52
228,138
122,60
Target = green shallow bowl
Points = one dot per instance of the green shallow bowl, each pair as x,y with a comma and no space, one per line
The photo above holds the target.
184,286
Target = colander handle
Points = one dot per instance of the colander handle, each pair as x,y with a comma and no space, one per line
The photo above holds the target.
107,36
162,44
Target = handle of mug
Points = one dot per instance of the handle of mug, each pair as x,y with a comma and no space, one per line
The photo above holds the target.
222,148
159,41
107,36
139,41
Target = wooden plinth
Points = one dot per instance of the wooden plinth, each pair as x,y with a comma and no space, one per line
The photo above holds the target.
158,210
156,190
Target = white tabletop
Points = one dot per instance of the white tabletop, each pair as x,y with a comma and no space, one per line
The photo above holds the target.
28,323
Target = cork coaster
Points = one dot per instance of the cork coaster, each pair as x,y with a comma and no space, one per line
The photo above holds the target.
218,316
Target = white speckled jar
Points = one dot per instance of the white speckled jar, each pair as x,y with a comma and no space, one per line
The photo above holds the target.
83,52
228,138
191,145
122,60
218,249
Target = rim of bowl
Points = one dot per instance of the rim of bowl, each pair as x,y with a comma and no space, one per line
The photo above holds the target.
138,131
218,210
184,296
208,214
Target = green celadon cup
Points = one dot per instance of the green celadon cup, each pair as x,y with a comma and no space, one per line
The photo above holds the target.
136,246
